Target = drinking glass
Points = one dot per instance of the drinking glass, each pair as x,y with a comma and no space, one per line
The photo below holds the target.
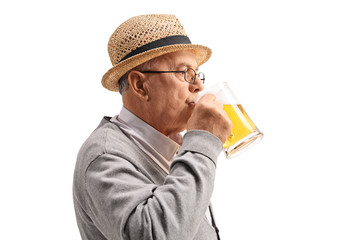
244,132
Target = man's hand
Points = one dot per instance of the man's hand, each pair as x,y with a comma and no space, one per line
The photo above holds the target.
208,115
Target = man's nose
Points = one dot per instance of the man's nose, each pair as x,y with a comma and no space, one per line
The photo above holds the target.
197,86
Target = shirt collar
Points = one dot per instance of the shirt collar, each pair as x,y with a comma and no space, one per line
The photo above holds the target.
161,143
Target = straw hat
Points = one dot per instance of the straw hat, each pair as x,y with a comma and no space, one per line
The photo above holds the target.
145,37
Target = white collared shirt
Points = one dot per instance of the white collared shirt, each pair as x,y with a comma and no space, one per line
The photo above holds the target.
160,148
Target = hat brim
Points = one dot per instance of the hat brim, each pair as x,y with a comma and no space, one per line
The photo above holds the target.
112,76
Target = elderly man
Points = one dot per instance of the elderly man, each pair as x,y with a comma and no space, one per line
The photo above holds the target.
136,177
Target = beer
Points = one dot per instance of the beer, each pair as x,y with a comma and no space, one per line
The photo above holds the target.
242,124
244,132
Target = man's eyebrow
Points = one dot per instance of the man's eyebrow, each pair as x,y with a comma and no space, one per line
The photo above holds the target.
188,66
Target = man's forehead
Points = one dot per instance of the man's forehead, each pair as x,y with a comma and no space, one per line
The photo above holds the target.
181,59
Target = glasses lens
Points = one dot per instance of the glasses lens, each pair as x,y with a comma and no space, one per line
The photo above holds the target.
190,75
201,76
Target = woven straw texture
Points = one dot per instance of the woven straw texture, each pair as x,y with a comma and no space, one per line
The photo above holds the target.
141,30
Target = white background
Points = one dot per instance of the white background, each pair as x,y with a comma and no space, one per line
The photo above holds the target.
295,67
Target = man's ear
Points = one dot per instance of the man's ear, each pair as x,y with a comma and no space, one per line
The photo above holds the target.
137,84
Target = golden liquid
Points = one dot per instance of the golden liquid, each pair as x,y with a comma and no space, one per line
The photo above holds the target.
242,124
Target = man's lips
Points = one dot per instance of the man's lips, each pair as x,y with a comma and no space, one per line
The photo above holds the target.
191,102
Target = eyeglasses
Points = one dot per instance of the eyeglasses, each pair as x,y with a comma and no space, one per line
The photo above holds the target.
189,74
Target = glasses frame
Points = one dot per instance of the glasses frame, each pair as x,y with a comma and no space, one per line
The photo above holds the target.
199,75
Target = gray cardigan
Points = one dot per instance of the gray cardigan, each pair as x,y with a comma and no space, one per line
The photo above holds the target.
120,193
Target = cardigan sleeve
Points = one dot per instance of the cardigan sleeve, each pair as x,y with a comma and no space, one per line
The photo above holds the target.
125,204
